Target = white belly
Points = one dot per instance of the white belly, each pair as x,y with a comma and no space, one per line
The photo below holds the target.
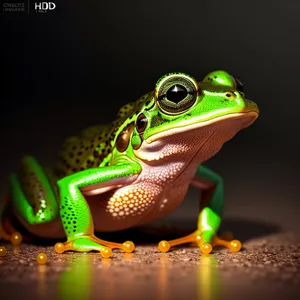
141,202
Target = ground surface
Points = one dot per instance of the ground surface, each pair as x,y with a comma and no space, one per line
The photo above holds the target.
267,268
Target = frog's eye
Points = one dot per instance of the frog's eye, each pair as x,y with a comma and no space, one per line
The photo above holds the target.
141,123
230,95
176,93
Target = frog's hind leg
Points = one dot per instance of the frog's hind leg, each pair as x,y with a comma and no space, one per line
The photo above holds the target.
32,195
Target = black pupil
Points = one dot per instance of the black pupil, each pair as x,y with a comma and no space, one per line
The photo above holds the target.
176,93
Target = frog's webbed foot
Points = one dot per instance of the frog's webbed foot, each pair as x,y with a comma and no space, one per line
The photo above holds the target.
92,243
205,247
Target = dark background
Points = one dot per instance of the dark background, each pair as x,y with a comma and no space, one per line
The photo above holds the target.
75,66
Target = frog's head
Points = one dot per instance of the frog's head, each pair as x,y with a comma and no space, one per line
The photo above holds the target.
183,116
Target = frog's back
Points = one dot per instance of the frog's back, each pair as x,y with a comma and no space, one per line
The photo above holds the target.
92,147
87,150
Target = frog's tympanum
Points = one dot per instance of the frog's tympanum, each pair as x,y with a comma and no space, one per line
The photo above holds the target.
137,169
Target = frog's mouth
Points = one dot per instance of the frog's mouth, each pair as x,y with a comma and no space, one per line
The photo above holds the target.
187,140
245,120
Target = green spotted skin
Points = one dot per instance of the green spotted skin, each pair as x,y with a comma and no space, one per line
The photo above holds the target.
71,220
132,164
94,146
87,150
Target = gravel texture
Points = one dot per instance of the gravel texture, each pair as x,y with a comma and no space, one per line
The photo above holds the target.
267,268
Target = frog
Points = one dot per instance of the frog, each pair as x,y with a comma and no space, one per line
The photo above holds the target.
137,169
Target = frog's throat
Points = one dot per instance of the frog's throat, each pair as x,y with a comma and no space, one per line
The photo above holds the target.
249,117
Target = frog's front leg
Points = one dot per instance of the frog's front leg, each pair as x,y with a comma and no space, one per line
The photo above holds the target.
75,213
211,185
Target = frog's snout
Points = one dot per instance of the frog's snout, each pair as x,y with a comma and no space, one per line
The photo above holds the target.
251,107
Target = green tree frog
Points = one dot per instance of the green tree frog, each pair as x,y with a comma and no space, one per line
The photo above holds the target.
137,169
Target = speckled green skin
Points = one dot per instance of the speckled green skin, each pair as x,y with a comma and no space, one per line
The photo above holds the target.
103,155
